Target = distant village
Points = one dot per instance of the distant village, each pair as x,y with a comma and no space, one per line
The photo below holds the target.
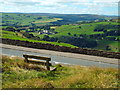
45,32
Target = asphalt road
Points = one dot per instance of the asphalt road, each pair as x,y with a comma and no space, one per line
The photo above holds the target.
64,54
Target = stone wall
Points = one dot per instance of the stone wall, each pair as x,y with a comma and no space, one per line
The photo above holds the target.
61,48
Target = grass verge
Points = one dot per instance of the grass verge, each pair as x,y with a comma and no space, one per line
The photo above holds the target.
18,74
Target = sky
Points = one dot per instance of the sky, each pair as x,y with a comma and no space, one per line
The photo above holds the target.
100,7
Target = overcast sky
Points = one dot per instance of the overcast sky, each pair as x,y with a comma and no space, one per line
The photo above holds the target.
101,7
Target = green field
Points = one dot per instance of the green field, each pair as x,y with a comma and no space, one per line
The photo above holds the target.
18,74
14,36
45,20
86,29
79,29
114,45
27,19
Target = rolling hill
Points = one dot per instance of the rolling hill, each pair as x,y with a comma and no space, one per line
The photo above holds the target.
80,30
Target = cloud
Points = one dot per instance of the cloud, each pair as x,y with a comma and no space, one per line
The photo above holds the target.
25,3
61,6
19,3
112,1
42,2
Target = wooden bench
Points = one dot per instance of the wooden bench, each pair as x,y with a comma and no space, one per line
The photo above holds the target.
45,62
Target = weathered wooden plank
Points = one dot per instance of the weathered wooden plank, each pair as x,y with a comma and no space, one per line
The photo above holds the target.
38,62
37,57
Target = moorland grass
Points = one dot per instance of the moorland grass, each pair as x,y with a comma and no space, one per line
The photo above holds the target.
18,74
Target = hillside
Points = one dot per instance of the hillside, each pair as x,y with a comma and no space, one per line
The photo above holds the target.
49,18
72,30
19,36
25,19
104,35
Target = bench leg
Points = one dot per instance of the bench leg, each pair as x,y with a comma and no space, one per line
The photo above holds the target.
26,59
47,65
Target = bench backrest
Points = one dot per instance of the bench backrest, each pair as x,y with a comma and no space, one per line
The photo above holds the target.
38,57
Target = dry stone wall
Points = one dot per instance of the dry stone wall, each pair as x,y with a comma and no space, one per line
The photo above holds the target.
61,48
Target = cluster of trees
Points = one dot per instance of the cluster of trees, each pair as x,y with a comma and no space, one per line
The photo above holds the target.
31,36
104,37
112,33
52,39
104,28
108,31
10,28
77,41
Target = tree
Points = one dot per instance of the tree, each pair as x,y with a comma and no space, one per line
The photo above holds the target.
10,28
75,35
108,47
69,33
58,41
53,39
79,26
36,38
26,34
105,31
46,38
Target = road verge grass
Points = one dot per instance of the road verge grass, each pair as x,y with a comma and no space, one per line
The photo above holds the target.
18,74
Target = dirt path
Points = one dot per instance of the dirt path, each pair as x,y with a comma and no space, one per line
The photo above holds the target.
64,54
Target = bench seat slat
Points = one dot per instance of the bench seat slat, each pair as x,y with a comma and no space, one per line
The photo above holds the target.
36,62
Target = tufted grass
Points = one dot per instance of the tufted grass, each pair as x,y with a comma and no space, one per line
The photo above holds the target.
17,74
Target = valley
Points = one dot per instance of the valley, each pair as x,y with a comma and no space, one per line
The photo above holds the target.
70,30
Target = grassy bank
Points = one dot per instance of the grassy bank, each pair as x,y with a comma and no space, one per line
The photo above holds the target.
17,74
15,36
